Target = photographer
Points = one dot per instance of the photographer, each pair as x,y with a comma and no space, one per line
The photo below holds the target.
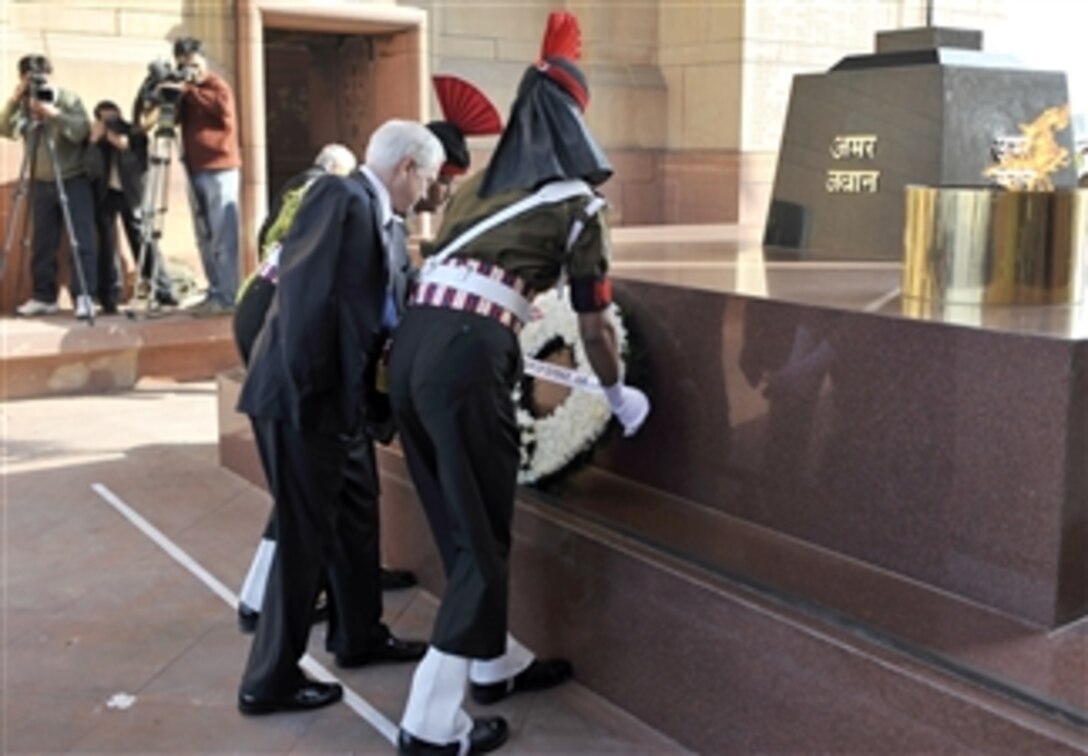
37,111
117,162
209,128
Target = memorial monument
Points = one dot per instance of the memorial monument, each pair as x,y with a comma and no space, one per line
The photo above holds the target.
928,107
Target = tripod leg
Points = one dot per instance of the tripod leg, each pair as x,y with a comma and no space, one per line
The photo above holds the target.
73,240
157,261
144,287
153,208
21,203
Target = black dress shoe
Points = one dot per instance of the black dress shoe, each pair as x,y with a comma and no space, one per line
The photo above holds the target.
488,733
397,580
390,649
540,675
247,618
310,695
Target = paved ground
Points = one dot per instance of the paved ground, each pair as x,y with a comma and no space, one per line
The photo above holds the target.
111,644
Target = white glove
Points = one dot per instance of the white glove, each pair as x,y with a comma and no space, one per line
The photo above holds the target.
629,405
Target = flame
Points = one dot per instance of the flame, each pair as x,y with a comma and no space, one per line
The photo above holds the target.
1039,157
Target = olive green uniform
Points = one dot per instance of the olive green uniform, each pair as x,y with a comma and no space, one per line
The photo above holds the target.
531,245
451,377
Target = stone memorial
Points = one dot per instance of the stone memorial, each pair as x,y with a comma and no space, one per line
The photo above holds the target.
929,107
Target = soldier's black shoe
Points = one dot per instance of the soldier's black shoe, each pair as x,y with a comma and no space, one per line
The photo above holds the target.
397,580
309,695
540,675
488,733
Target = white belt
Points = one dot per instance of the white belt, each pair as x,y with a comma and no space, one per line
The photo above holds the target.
463,278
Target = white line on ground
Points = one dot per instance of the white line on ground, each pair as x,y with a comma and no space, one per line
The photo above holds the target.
355,702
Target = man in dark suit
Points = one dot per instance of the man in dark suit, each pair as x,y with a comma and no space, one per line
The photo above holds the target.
254,298
308,393
117,163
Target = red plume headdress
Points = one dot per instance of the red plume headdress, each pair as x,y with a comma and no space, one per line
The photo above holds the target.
561,49
466,107
466,112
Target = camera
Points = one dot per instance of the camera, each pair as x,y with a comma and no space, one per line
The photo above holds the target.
114,126
162,89
38,88
162,72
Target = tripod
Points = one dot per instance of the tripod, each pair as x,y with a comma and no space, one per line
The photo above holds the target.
35,134
153,207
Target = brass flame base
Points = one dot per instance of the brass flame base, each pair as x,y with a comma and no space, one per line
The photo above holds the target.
990,246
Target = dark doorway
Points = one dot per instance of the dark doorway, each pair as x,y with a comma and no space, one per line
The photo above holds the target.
316,89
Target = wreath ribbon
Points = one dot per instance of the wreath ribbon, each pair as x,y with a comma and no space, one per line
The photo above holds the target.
552,373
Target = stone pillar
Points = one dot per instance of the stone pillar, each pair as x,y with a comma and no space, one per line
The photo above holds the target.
250,93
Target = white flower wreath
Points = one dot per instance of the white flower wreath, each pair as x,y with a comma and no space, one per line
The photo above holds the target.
552,442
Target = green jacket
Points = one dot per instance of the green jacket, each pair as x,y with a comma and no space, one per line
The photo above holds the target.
277,228
68,130
531,245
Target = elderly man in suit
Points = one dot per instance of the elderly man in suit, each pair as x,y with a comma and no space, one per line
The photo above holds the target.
308,392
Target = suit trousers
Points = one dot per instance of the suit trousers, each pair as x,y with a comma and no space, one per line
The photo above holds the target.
451,377
326,512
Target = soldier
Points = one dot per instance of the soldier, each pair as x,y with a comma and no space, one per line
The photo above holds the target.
510,232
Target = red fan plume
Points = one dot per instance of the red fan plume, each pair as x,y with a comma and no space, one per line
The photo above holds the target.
466,107
562,37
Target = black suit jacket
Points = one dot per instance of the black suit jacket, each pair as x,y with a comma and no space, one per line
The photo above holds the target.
313,362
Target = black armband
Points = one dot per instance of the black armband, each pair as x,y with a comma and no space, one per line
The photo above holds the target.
590,294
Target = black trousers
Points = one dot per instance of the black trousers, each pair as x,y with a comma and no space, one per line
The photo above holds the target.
48,223
325,488
108,209
451,377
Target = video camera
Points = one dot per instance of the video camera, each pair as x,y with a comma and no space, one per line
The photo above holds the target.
161,72
38,87
162,90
